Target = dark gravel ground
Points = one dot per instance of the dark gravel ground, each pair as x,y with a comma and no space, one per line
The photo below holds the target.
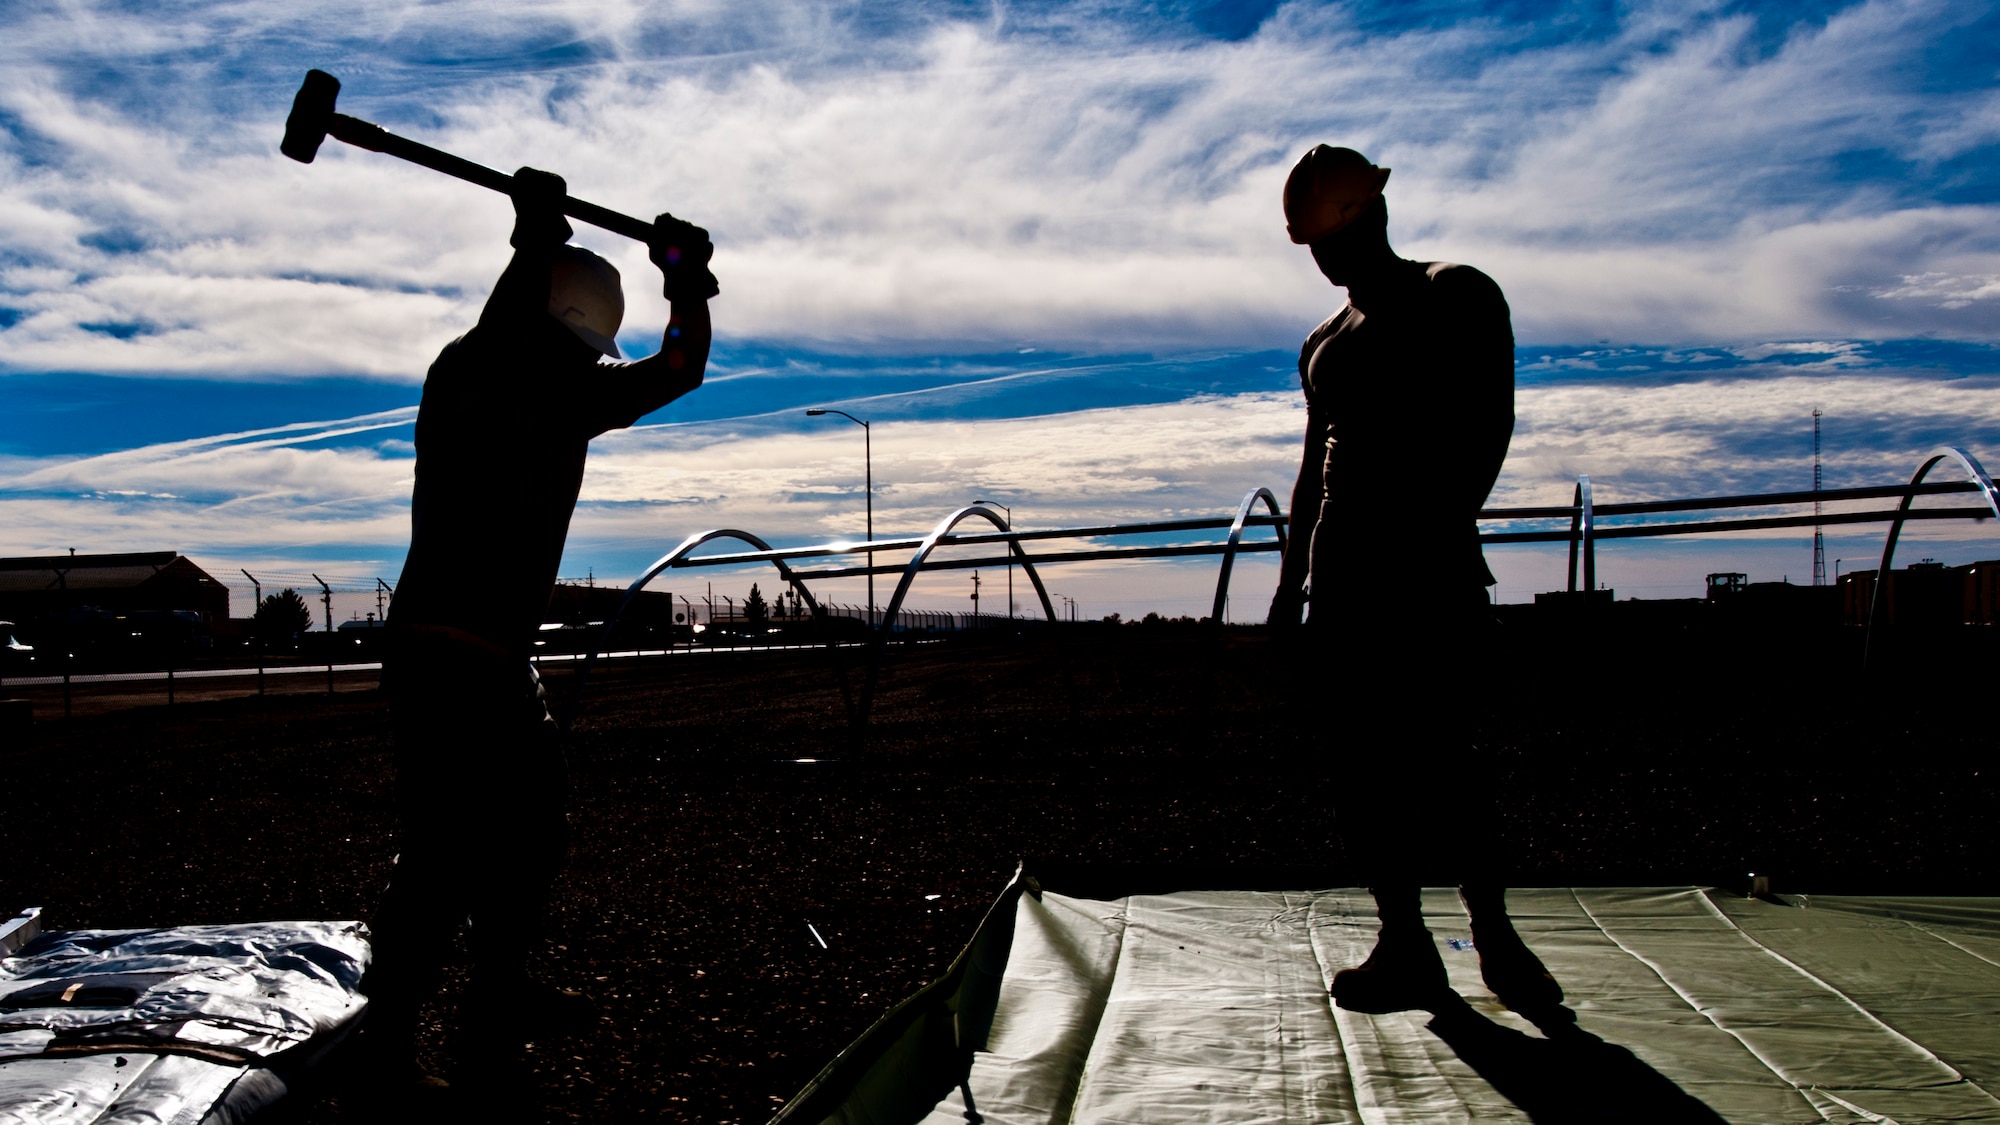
703,851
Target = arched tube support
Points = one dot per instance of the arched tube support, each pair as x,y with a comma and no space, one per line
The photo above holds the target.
910,572
1583,533
1236,536
686,547
1987,493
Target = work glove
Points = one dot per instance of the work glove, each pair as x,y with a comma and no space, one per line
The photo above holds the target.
538,217
682,251
1287,607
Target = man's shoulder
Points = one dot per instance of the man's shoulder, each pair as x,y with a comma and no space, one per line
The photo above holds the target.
1460,282
455,355
1326,328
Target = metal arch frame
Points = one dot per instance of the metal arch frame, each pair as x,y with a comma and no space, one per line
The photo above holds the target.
1236,536
662,563
931,543
1583,530
910,572
1987,493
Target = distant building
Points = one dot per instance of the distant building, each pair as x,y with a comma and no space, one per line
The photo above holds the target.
1574,601
1927,594
37,588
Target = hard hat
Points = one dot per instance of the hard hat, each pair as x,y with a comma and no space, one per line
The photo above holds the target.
584,294
1328,189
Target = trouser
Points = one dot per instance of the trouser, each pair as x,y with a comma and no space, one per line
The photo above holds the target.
1413,791
481,790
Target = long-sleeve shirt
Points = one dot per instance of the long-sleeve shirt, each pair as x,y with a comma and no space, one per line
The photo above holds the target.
509,410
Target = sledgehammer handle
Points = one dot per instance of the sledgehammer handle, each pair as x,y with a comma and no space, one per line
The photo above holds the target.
364,134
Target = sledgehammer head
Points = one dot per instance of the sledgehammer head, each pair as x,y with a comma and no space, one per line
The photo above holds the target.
312,113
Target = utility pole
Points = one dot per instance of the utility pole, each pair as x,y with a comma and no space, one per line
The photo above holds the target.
326,599
1819,538
1010,556
381,588
256,637
975,599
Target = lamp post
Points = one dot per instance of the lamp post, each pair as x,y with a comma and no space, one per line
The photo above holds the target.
1010,557
868,470
326,596
257,600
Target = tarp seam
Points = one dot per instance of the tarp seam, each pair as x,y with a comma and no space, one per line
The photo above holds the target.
1870,1115
1333,1017
1694,1007
1369,1104
1110,982
1926,931
1957,1074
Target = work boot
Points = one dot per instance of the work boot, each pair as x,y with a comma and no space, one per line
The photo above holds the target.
1510,969
1402,973
1512,972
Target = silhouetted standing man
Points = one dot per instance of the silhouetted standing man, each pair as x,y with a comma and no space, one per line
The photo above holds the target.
1410,405
509,410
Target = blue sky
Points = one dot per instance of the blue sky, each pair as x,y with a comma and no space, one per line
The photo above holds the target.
1039,244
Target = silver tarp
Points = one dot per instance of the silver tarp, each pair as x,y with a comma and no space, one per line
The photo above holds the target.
190,1025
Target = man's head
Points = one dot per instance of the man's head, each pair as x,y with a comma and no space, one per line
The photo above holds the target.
1328,189
585,295
1334,204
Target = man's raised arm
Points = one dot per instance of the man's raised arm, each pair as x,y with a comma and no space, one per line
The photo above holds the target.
630,391
539,228
682,251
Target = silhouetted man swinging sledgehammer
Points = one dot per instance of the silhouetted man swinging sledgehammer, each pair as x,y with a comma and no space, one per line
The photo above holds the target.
1410,405
508,412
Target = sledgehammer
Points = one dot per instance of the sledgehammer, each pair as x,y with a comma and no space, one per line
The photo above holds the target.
313,120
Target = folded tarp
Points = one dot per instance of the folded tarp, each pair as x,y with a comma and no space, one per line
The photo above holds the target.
192,1025
1685,1004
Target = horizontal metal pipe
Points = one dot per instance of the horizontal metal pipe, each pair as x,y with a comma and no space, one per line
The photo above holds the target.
975,539
1646,531
1053,557
1713,527
1157,527
1704,503
1829,496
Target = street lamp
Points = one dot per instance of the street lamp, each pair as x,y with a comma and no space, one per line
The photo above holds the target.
868,468
1010,555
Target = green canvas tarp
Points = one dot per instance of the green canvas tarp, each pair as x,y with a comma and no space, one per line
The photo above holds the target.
1211,1005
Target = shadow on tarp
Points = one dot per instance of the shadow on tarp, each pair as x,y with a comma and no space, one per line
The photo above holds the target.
1569,1077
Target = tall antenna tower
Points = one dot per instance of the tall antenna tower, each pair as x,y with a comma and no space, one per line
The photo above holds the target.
1819,538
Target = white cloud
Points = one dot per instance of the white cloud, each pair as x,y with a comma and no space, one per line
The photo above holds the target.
1948,290
930,182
